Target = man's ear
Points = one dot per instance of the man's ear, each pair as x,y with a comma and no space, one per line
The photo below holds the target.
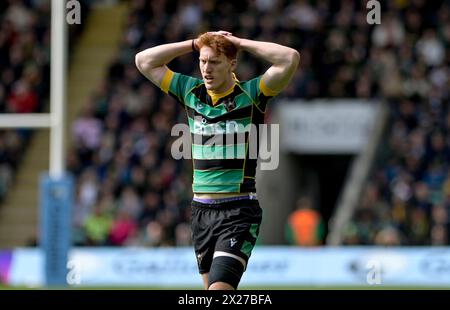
233,64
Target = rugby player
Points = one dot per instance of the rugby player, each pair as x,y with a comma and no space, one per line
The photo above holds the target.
226,215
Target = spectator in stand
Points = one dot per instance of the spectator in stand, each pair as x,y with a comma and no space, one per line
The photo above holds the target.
305,226
404,60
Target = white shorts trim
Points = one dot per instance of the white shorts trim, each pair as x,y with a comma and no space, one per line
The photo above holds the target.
222,253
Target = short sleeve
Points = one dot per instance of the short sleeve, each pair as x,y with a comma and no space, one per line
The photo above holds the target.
259,92
178,85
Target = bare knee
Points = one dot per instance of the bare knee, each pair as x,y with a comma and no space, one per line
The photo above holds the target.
205,280
221,286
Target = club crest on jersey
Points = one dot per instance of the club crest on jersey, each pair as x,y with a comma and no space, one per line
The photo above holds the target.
229,104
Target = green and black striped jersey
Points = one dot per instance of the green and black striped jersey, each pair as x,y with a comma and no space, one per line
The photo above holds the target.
221,132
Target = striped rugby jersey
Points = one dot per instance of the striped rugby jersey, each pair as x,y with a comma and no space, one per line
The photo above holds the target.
220,133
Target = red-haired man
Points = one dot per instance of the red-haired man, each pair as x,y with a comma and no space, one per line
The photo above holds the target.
226,215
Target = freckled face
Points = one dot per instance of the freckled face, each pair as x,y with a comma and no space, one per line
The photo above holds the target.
215,69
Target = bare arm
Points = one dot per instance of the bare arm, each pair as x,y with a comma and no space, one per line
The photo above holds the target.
284,60
152,61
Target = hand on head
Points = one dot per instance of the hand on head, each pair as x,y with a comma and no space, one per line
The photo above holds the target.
235,40
224,33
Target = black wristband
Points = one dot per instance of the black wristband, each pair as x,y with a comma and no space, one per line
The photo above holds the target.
193,45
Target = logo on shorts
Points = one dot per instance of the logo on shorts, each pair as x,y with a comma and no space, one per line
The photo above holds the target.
233,242
200,257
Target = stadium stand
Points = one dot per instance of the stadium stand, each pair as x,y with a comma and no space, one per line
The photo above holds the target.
24,82
24,88
406,201
131,191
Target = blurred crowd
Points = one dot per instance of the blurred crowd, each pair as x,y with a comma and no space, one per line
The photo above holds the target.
130,191
407,200
24,75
